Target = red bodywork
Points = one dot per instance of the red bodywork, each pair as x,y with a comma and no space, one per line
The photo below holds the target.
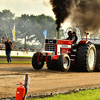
66,42
59,47
55,57
63,50
38,56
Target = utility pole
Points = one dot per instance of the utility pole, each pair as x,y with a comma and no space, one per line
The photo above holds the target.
25,43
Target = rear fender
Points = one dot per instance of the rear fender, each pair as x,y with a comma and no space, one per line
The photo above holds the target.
83,42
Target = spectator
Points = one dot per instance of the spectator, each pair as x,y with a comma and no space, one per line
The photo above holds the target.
9,46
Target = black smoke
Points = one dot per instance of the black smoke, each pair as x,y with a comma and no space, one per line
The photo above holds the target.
87,15
84,13
61,9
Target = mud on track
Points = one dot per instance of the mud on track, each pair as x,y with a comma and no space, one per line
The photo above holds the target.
43,81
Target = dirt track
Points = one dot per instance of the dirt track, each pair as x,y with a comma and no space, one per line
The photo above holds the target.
43,81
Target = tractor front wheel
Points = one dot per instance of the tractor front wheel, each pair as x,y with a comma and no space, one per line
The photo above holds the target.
63,63
37,64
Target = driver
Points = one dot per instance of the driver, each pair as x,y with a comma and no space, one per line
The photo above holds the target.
72,36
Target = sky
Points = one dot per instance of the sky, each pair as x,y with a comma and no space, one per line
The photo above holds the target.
35,7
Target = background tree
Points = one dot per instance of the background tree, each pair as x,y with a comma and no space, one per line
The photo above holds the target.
6,22
27,27
33,27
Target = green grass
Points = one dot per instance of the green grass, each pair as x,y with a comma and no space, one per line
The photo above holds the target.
81,95
19,62
18,56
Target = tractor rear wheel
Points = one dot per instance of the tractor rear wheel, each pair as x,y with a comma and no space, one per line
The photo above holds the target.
63,62
35,64
86,57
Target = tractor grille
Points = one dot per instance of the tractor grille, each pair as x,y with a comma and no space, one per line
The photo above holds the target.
50,41
51,48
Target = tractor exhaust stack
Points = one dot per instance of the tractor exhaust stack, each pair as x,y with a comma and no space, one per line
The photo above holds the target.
57,34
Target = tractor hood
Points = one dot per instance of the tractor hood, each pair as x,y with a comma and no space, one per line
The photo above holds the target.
58,41
58,46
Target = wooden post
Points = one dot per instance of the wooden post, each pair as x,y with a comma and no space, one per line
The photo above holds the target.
26,79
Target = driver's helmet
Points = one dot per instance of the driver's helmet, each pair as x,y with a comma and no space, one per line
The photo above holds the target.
70,33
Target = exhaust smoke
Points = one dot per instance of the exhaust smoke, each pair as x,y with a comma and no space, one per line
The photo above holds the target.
83,13
62,10
87,15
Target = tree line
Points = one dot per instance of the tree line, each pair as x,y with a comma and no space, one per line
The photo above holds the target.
30,27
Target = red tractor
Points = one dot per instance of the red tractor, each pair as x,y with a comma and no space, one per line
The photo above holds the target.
70,53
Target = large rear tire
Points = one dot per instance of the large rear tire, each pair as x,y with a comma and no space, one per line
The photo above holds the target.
63,63
86,58
35,64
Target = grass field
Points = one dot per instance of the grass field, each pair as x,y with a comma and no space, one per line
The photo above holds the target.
81,95
23,62
17,61
18,56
